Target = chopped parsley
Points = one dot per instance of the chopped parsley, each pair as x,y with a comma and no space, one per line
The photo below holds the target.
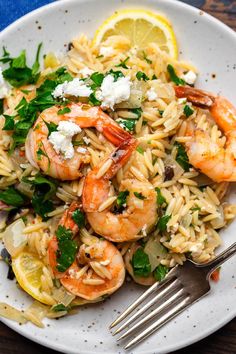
154,77
188,111
1,106
44,190
146,58
160,272
173,76
140,263
64,111
127,124
9,122
97,79
93,100
137,111
160,111
162,222
60,307
140,150
13,197
78,217
142,76
123,64
122,197
67,248
182,157
18,73
116,74
160,199
52,127
139,196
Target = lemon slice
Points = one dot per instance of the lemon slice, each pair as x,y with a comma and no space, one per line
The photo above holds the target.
28,270
141,27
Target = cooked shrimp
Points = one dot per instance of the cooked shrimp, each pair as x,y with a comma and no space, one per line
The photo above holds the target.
98,269
85,116
216,160
133,223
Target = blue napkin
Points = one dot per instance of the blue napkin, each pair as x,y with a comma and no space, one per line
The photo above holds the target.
11,10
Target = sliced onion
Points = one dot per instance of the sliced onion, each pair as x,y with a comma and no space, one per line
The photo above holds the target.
155,251
14,239
11,313
178,170
219,222
25,188
62,296
136,95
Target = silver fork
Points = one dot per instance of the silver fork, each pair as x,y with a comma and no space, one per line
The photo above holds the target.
183,286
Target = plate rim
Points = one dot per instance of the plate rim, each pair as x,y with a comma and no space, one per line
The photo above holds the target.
199,335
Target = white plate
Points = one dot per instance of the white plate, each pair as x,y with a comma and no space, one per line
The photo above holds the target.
211,46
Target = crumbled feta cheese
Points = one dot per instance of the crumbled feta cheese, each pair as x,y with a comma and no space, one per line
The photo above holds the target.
82,150
76,88
144,230
151,94
61,139
3,86
86,140
113,92
86,72
106,51
190,77
182,100
196,248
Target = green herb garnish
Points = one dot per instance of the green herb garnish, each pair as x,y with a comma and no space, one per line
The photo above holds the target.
18,73
142,76
162,222
137,111
116,74
64,111
160,112
140,150
122,197
188,111
182,157
9,122
123,64
160,272
1,106
177,80
97,79
60,307
139,196
160,199
13,197
78,217
140,263
127,124
52,127
93,100
146,58
67,248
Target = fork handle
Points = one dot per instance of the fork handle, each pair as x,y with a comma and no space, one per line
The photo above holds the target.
223,257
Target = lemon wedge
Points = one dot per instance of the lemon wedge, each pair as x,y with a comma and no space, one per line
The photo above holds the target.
28,270
141,27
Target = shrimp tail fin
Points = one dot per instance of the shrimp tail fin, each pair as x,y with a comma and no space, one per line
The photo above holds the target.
115,134
199,98
96,189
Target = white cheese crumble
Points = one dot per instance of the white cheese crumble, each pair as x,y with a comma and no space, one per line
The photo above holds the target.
76,88
190,77
61,139
151,94
82,150
182,100
113,92
86,140
86,72
106,51
3,86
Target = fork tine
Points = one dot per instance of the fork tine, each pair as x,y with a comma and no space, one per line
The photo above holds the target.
140,299
174,311
165,305
161,295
